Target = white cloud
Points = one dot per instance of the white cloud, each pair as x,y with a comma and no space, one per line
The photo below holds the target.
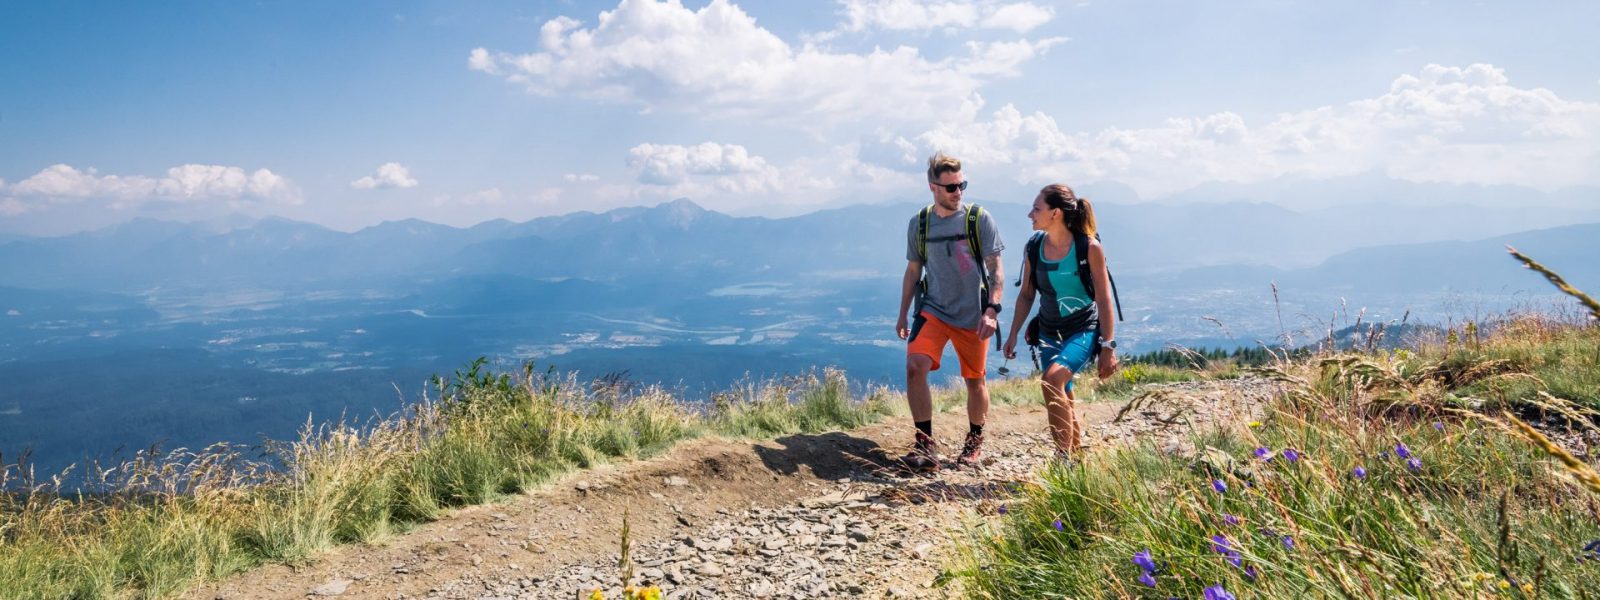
389,175
64,183
580,178
718,62
729,177
1444,124
925,15
723,167
11,207
1021,17
668,163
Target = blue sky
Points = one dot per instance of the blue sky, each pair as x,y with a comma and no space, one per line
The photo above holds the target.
351,113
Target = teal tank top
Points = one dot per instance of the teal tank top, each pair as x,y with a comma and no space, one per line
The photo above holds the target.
1070,293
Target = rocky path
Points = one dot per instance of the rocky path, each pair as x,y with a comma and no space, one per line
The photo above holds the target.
805,516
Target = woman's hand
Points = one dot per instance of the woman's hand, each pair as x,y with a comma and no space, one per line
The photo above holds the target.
901,329
1011,347
1107,362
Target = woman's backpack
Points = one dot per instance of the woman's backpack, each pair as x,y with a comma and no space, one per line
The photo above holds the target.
1081,250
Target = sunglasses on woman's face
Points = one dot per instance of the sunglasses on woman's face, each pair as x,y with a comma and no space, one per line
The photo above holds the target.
951,188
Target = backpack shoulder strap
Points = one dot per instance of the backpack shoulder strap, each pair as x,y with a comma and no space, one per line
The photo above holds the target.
1030,256
1081,243
974,215
1080,248
922,233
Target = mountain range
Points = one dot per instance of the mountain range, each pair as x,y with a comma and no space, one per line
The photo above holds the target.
679,242
199,332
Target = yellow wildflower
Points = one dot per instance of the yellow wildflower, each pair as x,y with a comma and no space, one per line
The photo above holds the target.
597,595
1254,424
1505,585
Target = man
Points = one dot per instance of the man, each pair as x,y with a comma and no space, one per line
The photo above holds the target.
958,301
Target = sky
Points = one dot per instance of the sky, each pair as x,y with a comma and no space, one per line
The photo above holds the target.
348,114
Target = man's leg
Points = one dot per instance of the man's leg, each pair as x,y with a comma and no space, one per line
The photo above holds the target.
973,354
977,400
918,395
977,412
922,356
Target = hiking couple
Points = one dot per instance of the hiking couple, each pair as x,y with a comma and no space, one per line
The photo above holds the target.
954,275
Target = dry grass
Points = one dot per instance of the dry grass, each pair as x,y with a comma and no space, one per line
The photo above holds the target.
153,526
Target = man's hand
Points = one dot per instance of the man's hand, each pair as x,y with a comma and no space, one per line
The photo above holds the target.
1107,362
987,325
901,329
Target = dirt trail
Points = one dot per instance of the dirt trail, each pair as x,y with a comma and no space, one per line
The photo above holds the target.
802,516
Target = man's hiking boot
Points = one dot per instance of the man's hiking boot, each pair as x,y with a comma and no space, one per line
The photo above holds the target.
971,451
924,456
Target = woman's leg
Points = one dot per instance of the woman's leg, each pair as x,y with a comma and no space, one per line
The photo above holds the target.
1058,405
1077,420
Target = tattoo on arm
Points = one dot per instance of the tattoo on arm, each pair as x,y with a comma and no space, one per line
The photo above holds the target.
996,278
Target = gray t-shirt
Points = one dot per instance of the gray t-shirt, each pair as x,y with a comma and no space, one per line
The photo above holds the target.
951,271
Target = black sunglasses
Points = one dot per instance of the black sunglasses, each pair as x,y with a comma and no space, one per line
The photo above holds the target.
951,188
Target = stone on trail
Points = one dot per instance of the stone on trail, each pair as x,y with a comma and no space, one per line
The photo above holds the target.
332,588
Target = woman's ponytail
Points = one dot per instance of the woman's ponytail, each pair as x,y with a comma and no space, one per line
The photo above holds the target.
1079,213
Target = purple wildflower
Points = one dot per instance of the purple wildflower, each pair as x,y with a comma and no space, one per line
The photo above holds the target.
1413,463
1219,544
1147,579
1219,485
1291,455
1402,451
1003,510
1383,455
1216,592
1231,520
1360,472
1288,542
1058,525
1263,453
1144,560
1251,572
1437,426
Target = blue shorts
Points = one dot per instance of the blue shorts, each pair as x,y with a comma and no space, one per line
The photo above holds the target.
1073,353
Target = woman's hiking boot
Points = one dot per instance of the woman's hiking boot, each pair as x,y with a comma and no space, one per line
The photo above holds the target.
924,455
1064,459
971,451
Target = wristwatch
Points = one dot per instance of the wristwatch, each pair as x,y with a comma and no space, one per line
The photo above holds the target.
1112,344
996,306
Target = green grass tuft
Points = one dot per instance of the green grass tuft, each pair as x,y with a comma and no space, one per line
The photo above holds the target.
1483,512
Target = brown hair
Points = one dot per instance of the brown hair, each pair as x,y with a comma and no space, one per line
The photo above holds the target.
1078,212
941,163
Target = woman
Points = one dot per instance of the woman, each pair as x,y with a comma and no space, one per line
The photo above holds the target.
1075,324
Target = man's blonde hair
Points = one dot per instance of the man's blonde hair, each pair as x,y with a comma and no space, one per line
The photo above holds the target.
941,163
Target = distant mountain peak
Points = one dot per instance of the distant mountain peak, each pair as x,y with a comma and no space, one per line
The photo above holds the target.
683,204
682,210
681,213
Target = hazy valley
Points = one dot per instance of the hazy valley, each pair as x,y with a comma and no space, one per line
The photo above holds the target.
189,333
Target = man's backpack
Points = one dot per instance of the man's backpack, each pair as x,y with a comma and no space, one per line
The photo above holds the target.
1080,249
973,237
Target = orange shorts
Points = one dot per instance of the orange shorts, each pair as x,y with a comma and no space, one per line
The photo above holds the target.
929,334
